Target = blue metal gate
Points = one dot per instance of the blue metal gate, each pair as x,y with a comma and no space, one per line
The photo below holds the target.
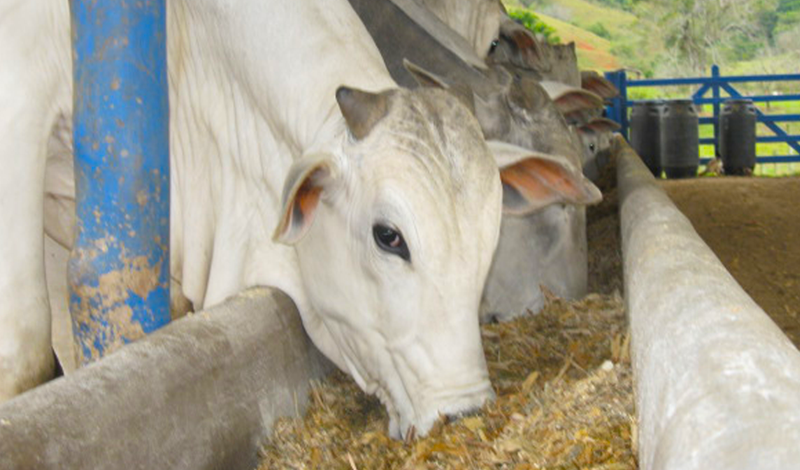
716,84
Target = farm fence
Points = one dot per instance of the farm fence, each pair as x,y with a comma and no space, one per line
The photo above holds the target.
717,84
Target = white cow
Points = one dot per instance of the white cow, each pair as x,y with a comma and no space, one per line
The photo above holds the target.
498,39
376,209
545,248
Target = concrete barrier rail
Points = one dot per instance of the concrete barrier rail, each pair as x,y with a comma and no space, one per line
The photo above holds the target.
202,392
717,382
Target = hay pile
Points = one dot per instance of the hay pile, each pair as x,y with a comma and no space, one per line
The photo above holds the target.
564,400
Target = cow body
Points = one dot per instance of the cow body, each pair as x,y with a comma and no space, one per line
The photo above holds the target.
34,97
376,209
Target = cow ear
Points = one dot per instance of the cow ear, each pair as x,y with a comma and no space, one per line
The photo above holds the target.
569,99
525,51
533,181
423,77
527,94
302,190
427,79
596,83
464,94
600,124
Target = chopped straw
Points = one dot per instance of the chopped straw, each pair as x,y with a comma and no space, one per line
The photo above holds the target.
564,401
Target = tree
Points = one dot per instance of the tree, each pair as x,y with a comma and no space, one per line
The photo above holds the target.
699,33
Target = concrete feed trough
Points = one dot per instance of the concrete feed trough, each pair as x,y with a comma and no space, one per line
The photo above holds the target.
200,393
717,382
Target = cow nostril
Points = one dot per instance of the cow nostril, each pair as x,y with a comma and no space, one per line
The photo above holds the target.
491,318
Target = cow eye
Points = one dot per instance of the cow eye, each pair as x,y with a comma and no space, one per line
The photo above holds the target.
493,46
391,241
591,147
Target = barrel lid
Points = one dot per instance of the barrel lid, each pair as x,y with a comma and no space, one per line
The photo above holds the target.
737,105
738,101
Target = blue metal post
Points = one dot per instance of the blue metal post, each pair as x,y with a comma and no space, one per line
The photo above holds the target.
618,110
119,267
715,93
623,103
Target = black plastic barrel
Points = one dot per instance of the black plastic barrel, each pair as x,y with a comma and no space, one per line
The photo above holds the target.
645,127
680,139
737,140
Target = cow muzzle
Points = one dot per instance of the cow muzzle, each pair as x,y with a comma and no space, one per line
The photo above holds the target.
451,405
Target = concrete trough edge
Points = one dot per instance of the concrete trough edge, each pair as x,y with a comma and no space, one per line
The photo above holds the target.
203,392
717,382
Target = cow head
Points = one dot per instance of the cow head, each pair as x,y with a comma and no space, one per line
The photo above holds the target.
522,113
547,247
394,229
596,137
525,54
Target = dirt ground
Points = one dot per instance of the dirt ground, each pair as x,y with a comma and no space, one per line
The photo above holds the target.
752,225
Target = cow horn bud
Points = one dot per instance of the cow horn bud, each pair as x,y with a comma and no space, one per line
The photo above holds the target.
361,109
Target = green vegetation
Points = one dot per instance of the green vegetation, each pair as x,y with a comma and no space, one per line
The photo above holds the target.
599,30
669,38
532,22
626,5
593,51
606,37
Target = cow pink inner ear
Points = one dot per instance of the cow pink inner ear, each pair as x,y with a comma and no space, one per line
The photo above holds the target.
306,201
540,182
530,188
301,208
577,100
527,47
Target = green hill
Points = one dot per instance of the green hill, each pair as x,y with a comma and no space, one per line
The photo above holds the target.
675,38
594,28
585,14
593,51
